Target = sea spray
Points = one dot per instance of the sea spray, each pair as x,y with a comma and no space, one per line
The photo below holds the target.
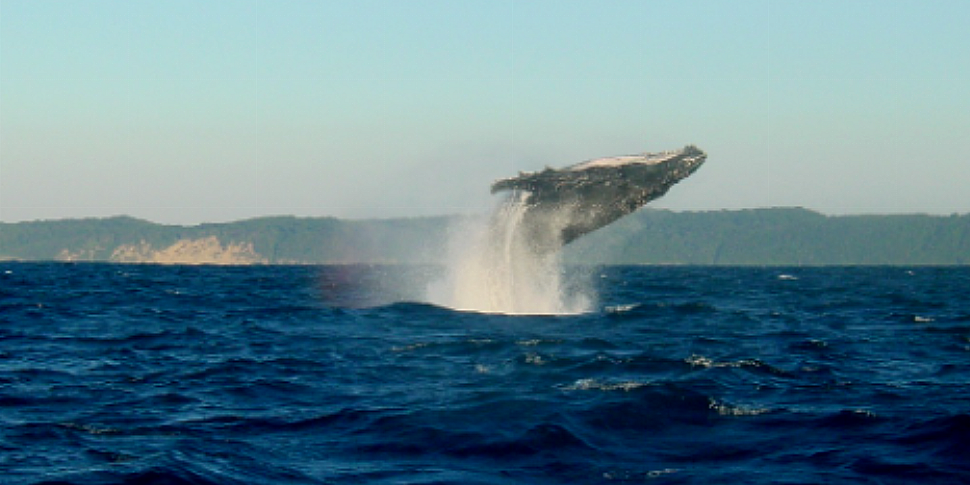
494,266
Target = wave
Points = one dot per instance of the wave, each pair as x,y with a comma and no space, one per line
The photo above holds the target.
948,436
748,364
652,309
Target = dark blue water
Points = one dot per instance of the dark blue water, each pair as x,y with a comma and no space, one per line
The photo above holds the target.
306,375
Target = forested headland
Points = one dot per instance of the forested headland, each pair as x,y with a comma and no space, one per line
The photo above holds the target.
778,236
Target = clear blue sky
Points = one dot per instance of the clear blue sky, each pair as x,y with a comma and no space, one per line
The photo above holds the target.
188,111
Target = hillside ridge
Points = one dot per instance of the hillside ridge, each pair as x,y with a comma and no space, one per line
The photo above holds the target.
771,236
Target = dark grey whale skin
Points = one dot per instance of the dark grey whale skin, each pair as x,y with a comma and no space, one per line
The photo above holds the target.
563,204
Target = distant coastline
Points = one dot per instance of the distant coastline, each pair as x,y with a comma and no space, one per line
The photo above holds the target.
763,237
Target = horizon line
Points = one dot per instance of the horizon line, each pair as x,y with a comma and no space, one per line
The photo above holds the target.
456,214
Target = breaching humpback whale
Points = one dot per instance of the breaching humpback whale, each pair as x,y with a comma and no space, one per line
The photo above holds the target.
564,204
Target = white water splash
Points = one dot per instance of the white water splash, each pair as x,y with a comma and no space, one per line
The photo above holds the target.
493,267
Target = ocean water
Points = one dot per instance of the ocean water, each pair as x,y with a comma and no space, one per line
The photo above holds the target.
145,374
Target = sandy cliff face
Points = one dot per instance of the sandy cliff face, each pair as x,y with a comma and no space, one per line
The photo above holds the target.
208,250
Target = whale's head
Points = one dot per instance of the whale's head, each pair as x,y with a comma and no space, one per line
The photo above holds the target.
652,172
646,168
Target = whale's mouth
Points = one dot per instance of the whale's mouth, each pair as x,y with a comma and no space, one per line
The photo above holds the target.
640,159
658,170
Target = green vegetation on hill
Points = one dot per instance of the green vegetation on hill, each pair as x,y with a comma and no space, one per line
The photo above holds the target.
784,236
277,240
781,236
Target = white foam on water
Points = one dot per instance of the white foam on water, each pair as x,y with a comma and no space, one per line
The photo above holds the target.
492,267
